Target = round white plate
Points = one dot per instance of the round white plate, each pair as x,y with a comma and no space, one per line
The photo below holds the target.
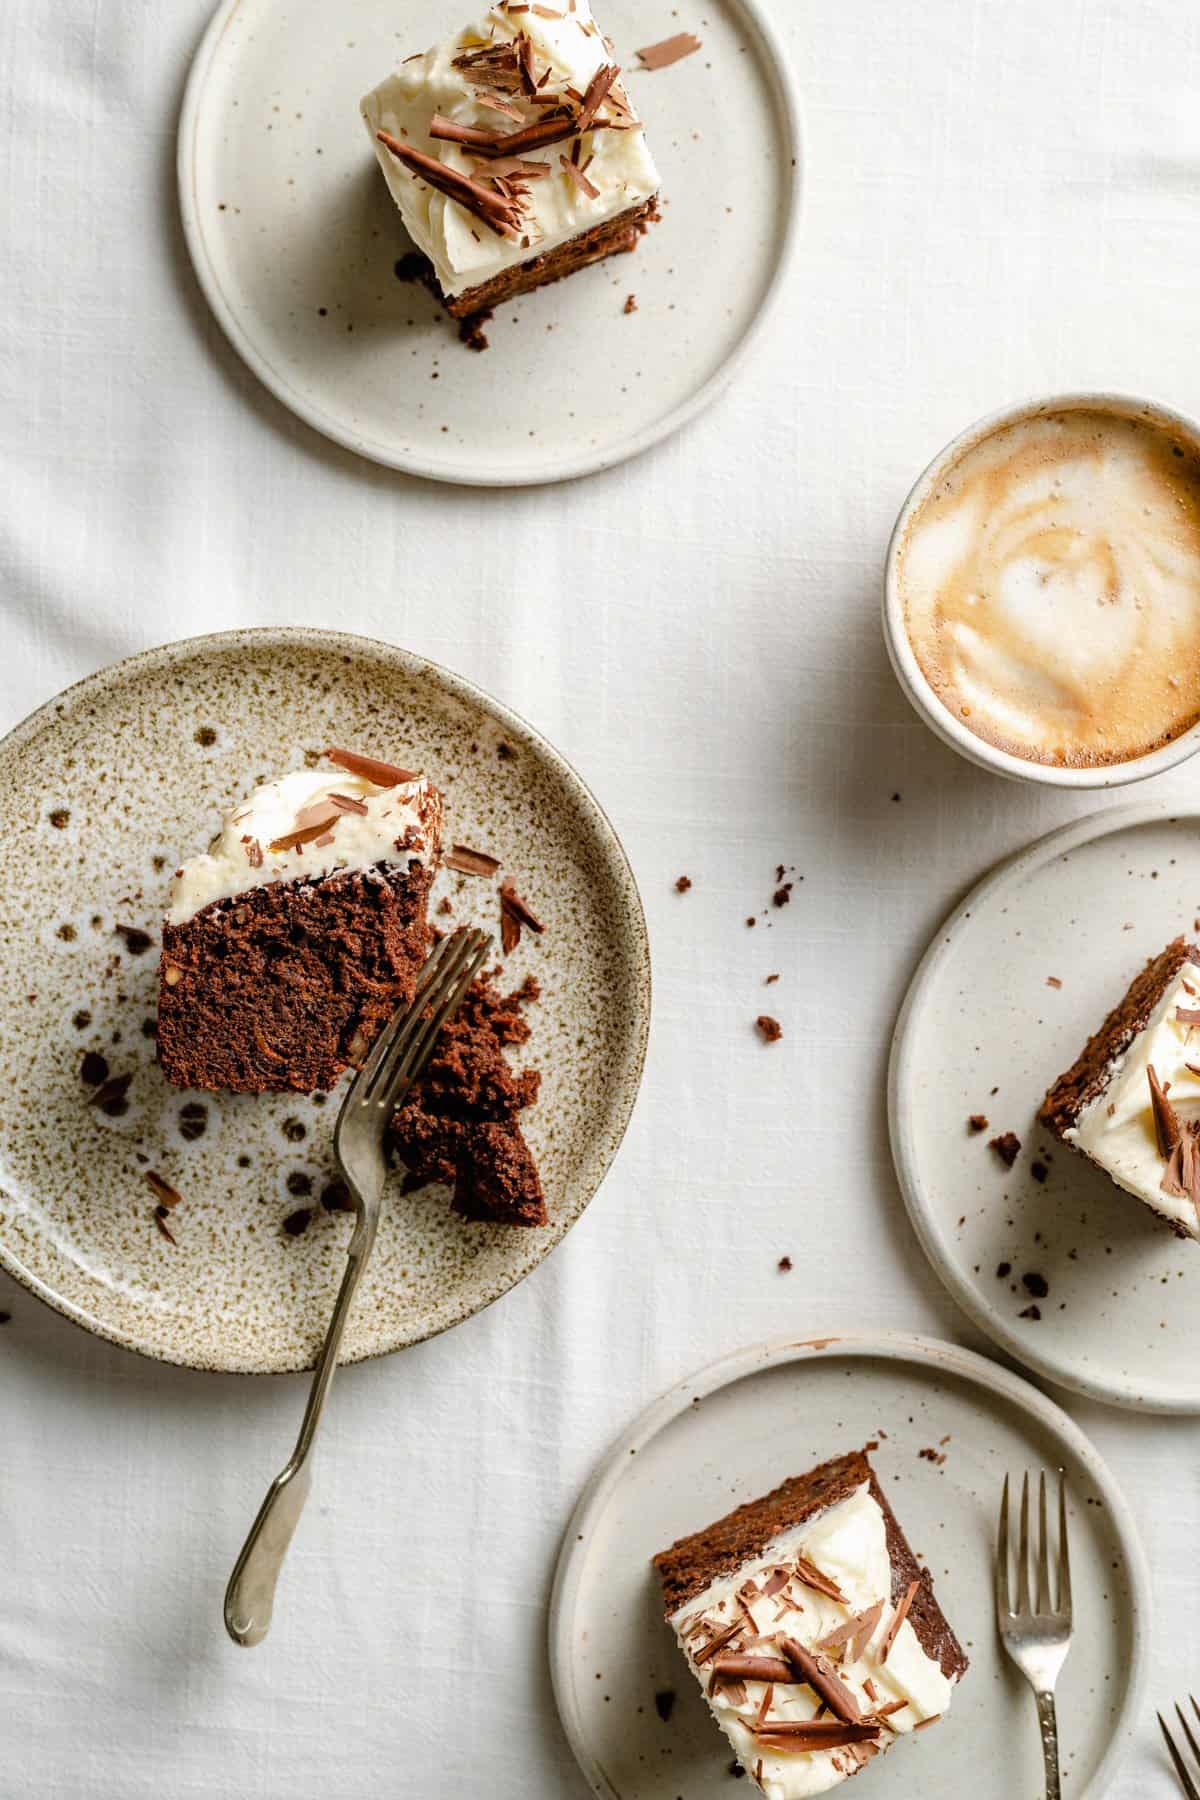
736,1430
982,1031
739,1427
295,240
105,789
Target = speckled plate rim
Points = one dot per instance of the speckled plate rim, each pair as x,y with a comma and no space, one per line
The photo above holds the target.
966,1365
349,643
902,1072
534,474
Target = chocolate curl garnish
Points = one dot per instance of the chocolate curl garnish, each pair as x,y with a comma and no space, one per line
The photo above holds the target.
714,1644
496,213
580,179
893,1631
512,902
166,1195
764,1707
671,50
496,103
470,862
310,834
753,1668
254,852
347,804
451,132
856,1633
1166,1119
515,168
526,63
775,1584
795,1735
1187,1015
821,1678
812,1577
531,137
597,93
163,1228
369,768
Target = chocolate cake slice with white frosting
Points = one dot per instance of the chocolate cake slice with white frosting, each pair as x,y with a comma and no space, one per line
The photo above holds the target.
812,1629
1130,1102
514,153
294,937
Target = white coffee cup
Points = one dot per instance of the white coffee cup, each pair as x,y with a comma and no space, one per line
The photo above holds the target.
909,673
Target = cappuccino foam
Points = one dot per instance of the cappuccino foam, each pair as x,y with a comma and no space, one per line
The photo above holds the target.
1050,585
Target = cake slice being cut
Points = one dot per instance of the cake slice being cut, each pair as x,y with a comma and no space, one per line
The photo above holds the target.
812,1629
513,153
1130,1103
293,938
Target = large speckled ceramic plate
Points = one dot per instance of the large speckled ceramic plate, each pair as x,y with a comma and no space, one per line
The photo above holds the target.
103,791
738,1428
295,239
1067,1272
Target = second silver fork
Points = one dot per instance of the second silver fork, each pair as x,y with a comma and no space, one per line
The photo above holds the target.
394,1062
1036,1631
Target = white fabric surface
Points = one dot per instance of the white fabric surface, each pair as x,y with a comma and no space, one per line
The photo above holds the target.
1003,200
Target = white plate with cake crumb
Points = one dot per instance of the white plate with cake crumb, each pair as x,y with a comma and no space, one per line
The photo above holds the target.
945,1426
1073,1276
295,241
106,789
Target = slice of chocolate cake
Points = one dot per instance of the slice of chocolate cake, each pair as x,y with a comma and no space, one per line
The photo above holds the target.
292,940
812,1629
514,154
461,1124
1130,1103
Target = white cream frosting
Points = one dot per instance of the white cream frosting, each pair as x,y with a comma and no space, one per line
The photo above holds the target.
1117,1128
463,251
360,840
848,1544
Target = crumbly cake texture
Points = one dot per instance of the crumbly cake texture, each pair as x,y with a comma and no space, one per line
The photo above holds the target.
1130,1103
809,1680
460,1126
514,154
291,941
1091,1071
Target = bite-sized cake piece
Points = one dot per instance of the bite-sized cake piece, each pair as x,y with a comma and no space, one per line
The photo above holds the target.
1131,1103
302,928
461,1123
514,153
812,1629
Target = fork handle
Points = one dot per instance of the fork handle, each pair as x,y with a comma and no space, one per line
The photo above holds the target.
250,1596
1048,1720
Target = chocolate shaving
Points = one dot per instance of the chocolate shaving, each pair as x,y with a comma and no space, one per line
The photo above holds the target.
537,136
346,803
497,214
167,1195
670,50
310,834
512,903
510,931
821,1677
597,93
470,862
1187,1015
111,1092
856,1633
163,1227
496,103
1166,1119
254,852
753,1668
776,1583
764,1707
893,1630
382,774
796,1735
451,132
813,1578
515,166
714,1644
581,181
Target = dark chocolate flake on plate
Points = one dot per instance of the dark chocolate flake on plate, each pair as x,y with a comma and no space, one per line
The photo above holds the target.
166,1195
93,1069
471,862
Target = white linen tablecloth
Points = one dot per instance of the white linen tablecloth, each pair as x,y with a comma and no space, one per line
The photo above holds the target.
1002,200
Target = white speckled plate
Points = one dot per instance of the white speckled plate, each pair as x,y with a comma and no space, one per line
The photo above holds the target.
739,1427
295,240
982,1032
103,791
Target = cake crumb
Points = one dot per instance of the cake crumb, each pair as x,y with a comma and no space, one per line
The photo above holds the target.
1039,1171
930,1455
631,305
1032,1312
1003,1271
298,1222
683,884
1036,1285
770,1028
785,1265
770,980
783,894
977,1122
1053,981
1007,1147
471,331
751,922
664,1703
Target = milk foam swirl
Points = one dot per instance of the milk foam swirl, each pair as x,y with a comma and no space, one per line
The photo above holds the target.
1051,588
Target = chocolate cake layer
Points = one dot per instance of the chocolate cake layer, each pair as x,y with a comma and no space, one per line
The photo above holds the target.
1089,1074
615,238
690,1566
460,1125
283,987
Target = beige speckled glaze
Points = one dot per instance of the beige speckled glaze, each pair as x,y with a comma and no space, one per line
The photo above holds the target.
144,758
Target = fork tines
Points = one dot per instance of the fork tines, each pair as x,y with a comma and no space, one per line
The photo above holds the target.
1186,1781
1041,1603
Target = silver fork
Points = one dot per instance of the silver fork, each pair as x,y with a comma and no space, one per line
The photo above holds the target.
396,1059
1037,1634
1181,1769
